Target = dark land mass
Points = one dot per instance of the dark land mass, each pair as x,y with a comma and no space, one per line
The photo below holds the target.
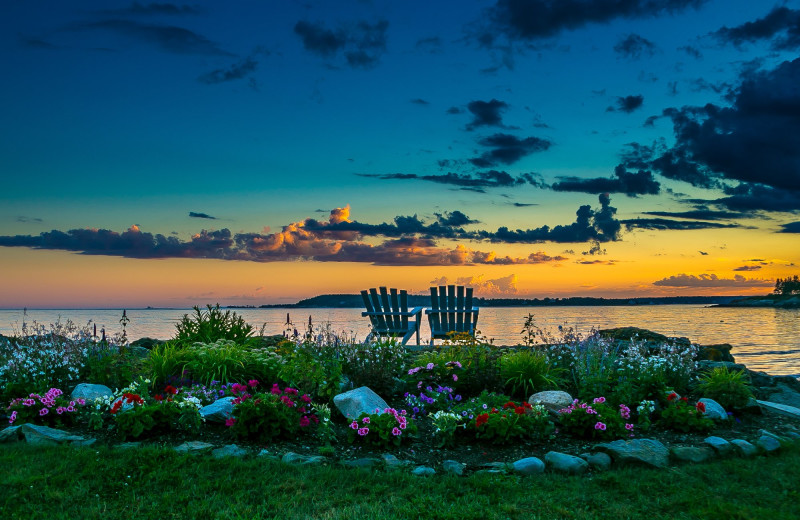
778,301
355,301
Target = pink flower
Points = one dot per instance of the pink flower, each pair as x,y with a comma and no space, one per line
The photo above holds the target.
44,411
70,408
305,398
253,383
81,401
598,400
354,425
396,431
60,410
276,389
455,377
365,420
13,417
363,431
600,426
290,391
304,421
430,366
628,426
230,421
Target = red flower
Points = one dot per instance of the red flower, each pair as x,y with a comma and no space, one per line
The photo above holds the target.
171,390
481,420
701,407
158,397
526,404
519,410
509,404
116,407
685,399
494,410
672,396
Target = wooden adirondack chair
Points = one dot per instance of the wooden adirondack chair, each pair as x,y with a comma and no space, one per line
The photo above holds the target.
451,311
389,314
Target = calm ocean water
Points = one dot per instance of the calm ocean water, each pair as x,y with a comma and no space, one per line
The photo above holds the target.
763,339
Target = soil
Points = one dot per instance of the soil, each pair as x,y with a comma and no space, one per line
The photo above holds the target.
475,454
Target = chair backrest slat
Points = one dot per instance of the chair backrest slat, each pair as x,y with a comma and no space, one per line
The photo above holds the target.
451,310
394,307
434,317
460,316
403,307
376,303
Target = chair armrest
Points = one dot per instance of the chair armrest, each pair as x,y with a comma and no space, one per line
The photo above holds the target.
413,312
448,311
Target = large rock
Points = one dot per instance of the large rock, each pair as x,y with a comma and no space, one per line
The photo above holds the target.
719,445
692,454
714,410
11,434
744,448
528,466
296,459
219,411
768,443
599,461
229,450
358,401
719,352
782,394
46,436
91,392
647,452
194,447
553,400
453,467
562,463
423,471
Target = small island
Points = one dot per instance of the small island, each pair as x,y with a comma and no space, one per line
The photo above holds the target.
785,296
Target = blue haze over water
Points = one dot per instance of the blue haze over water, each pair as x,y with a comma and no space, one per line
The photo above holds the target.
764,339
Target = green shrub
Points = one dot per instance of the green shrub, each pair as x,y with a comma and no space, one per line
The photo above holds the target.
312,368
111,367
165,361
384,429
270,415
591,363
375,363
598,420
213,325
730,388
680,415
479,363
511,423
226,361
525,372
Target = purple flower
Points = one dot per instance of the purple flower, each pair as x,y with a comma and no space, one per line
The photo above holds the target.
354,425
430,366
44,411
396,431
363,431
600,426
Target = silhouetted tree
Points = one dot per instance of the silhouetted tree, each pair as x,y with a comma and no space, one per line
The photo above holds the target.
789,285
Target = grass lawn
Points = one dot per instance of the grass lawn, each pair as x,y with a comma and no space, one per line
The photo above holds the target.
62,482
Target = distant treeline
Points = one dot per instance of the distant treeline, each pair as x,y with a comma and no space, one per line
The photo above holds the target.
355,301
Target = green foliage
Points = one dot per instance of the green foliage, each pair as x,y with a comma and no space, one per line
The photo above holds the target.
511,423
50,409
526,372
267,416
312,368
226,361
166,360
788,285
479,363
374,363
680,415
111,367
445,425
152,418
384,429
730,388
597,420
212,325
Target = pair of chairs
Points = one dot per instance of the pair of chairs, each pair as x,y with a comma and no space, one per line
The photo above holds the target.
451,311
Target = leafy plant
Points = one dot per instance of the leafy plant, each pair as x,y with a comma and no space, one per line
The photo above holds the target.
591,362
312,367
50,409
226,361
526,372
385,429
680,415
445,424
430,399
730,388
165,361
511,423
111,367
375,363
212,325
478,360
597,420
279,413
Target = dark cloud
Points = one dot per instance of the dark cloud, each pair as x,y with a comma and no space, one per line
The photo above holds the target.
591,225
781,26
747,197
310,240
153,8
748,268
473,181
700,214
753,141
635,46
22,218
419,101
454,110
627,104
629,183
537,19
791,227
486,113
194,214
508,149
710,280
692,51
167,37
662,224
363,44
237,71
522,204
454,218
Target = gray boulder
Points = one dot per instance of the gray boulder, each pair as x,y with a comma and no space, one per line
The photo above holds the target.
599,461
528,466
358,401
91,392
297,459
11,434
647,452
363,463
219,411
46,436
768,443
719,445
714,410
229,450
393,462
553,400
691,454
563,463
423,471
744,448
453,467
194,447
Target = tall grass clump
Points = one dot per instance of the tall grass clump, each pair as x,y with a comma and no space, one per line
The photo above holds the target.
212,325
730,388
478,359
525,372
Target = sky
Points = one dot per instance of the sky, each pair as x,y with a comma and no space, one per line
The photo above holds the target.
246,153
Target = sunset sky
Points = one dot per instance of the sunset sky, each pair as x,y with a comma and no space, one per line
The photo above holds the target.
173,154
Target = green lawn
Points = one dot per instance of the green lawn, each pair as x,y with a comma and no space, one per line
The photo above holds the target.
62,482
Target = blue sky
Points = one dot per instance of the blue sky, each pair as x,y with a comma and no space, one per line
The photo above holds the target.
174,118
